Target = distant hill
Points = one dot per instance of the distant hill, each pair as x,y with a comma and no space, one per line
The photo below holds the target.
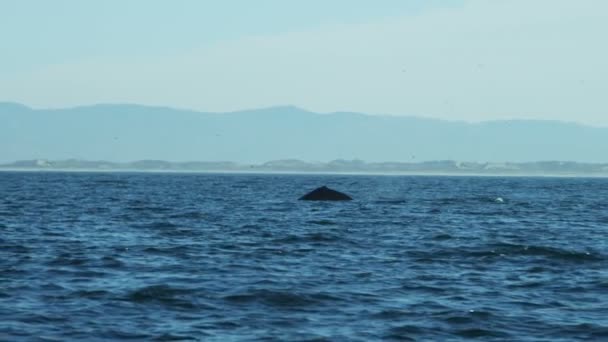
121,133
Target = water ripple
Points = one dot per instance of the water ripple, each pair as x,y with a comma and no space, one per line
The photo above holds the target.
188,257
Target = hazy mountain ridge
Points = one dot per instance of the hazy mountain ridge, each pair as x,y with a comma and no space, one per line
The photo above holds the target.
294,165
126,132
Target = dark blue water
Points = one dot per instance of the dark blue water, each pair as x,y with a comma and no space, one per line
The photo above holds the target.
158,257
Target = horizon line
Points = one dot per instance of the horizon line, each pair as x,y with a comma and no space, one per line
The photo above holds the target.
314,162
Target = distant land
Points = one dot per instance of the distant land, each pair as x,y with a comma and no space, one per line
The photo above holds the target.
121,133
337,166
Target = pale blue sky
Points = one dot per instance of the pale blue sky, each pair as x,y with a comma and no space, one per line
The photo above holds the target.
453,59
39,32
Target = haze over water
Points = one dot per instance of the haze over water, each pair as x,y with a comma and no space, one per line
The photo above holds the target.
115,256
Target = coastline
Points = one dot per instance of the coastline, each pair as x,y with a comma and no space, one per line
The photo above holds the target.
316,173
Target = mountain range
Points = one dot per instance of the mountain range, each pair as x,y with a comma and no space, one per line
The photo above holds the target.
126,132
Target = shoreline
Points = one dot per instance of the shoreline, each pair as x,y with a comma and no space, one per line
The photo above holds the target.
315,173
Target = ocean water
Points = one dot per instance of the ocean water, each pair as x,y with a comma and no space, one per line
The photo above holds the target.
210,257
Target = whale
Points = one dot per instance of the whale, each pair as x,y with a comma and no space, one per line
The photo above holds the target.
325,194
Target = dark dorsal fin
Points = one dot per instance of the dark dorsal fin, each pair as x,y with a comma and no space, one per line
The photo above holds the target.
325,194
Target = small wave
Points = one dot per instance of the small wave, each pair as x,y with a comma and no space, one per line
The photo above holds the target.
195,215
11,213
110,181
162,294
469,200
528,285
280,298
173,337
85,275
67,259
448,201
537,269
479,333
403,333
158,225
582,331
322,237
441,237
111,262
459,319
169,251
118,335
148,208
323,222
389,315
425,288
507,250
41,318
16,249
545,251
602,284
92,294
97,210
391,201
308,238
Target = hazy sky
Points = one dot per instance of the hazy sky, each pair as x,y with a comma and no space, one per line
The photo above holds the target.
454,59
